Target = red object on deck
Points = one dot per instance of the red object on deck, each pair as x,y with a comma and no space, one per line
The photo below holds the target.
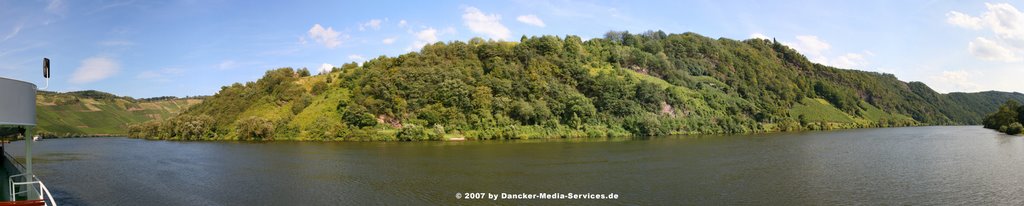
22,203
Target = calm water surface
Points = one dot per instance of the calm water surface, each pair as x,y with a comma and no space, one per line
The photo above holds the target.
919,165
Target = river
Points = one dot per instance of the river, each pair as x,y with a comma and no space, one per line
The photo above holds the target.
886,166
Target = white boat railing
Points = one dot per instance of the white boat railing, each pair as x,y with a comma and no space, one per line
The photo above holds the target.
26,186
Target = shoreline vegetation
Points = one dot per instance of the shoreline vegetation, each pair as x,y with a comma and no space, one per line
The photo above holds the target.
1007,119
624,84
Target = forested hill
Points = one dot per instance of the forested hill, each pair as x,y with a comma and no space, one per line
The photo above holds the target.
623,84
89,113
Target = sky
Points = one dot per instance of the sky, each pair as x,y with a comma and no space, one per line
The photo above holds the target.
193,47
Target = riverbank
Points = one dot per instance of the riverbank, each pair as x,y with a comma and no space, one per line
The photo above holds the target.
48,135
518,133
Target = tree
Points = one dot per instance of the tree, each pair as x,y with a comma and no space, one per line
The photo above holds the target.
1006,115
575,122
325,128
193,127
650,95
841,98
255,128
454,93
1014,128
357,115
301,103
319,87
412,132
483,98
524,112
644,125
1020,113
149,130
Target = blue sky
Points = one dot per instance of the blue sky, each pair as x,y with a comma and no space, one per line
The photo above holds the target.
192,47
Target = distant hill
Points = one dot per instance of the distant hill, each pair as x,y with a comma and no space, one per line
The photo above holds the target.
541,87
980,104
88,113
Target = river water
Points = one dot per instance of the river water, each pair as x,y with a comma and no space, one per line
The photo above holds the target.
888,166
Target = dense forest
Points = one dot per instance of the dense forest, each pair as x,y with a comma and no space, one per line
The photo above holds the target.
624,84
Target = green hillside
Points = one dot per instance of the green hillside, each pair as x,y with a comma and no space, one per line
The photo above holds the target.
86,113
543,87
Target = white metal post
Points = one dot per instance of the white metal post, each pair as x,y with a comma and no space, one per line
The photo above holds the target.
29,133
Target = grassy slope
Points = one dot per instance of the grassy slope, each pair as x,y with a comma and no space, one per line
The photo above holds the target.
323,107
65,114
819,110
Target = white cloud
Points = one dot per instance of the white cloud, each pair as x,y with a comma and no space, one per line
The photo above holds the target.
389,40
14,32
95,69
531,20
954,81
849,60
1006,22
852,60
759,36
1003,20
373,23
402,23
325,68
812,44
487,24
359,59
990,50
227,64
427,36
328,37
817,51
812,47
424,37
963,20
57,7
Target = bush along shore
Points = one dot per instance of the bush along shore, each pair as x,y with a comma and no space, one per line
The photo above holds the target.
1007,119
